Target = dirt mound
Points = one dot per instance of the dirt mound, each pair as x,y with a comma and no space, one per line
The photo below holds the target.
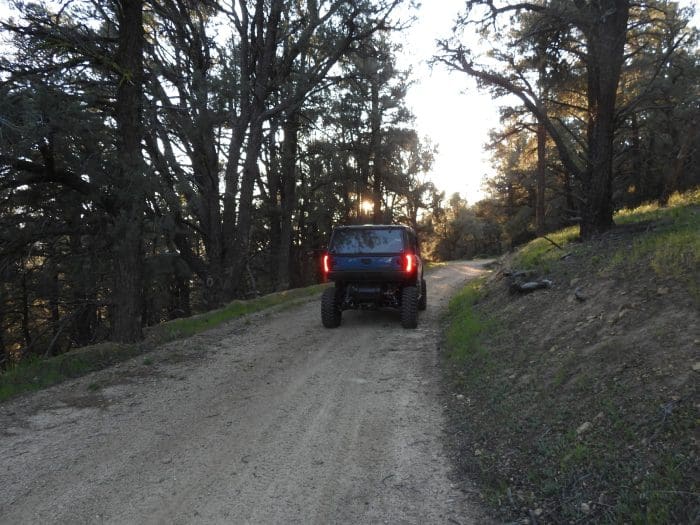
580,400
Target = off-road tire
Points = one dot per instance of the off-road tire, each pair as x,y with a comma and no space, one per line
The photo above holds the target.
330,308
423,301
409,307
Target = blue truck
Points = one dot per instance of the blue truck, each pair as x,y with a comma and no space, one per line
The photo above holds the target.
373,266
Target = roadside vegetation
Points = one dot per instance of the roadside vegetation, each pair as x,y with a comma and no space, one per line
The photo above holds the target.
37,373
578,403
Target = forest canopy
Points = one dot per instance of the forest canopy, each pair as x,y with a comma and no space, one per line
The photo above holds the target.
163,157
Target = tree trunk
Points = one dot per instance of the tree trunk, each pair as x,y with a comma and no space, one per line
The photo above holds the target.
259,47
606,43
288,198
376,153
236,283
54,294
541,177
25,311
637,156
3,352
272,205
82,275
541,145
128,224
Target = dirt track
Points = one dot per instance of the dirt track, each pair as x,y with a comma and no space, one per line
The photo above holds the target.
269,419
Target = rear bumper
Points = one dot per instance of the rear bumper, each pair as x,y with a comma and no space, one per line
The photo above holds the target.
371,276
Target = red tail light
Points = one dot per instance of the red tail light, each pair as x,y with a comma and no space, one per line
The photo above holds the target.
409,263
326,263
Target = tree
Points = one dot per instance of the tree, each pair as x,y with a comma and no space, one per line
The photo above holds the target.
138,149
593,34
460,231
65,47
129,183
585,55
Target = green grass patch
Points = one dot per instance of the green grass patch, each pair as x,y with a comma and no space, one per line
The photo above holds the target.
431,265
671,247
672,242
541,253
652,211
38,373
466,327
189,326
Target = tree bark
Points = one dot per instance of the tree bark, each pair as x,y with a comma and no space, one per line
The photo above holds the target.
541,146
376,149
288,198
126,301
53,296
235,284
25,311
606,35
541,177
3,350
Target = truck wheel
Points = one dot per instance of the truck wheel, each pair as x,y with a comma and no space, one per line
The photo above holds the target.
409,307
330,309
423,301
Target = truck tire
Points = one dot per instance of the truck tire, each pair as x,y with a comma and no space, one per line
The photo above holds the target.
409,307
330,309
423,301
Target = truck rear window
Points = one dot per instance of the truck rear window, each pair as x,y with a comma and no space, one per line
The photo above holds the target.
367,241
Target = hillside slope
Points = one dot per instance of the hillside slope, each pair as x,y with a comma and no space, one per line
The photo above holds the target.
579,402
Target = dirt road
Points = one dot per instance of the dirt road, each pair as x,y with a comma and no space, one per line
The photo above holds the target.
269,419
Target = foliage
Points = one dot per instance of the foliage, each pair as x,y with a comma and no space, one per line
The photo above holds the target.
251,133
610,143
458,231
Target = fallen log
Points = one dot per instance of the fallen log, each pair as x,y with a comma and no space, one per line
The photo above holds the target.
530,286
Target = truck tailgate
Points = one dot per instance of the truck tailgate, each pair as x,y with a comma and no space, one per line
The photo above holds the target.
365,267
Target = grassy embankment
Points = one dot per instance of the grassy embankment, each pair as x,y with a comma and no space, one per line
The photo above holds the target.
35,374
570,410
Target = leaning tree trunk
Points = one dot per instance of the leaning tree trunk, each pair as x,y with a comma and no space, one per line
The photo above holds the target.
126,304
606,45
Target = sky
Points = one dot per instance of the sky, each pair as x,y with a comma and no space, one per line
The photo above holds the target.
448,107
